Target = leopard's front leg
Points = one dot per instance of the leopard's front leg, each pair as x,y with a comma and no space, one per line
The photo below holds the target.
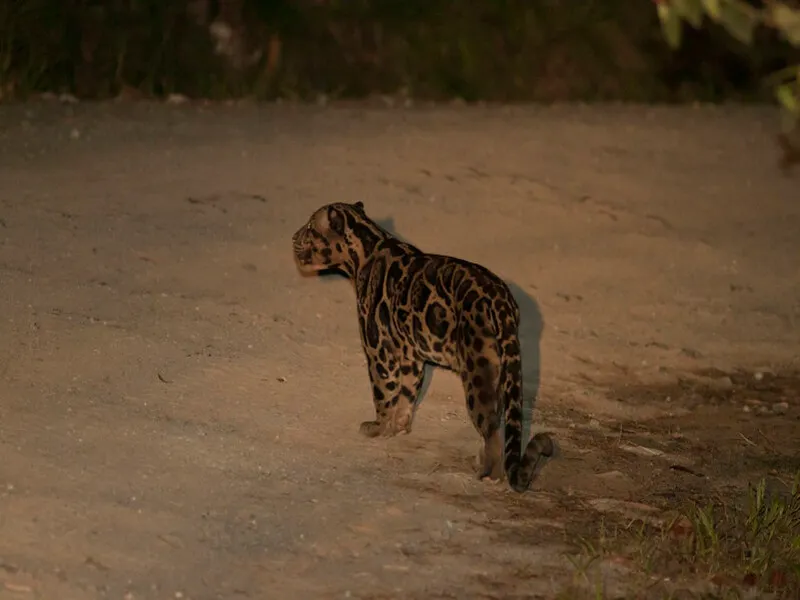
395,389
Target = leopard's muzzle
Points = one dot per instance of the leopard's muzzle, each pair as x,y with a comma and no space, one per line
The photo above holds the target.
301,249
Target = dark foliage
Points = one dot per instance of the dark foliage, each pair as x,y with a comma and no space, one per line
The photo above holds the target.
503,50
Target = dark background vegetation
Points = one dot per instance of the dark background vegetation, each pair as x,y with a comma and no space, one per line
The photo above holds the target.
493,50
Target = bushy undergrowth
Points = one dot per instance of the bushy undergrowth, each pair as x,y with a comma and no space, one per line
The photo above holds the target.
503,50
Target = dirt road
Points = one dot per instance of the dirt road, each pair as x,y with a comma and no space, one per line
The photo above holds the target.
179,409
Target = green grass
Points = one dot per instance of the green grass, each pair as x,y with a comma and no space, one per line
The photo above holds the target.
721,548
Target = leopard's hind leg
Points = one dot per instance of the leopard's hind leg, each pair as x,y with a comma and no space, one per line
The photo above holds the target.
480,376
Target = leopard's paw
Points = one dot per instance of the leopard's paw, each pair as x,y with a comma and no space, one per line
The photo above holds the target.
370,429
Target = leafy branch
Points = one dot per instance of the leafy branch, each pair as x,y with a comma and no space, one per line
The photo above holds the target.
740,19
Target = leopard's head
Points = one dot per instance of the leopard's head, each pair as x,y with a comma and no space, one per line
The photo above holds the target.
333,238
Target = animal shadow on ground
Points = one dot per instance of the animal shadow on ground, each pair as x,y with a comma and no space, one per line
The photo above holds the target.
530,333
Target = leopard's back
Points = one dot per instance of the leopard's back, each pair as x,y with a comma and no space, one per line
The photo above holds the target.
443,305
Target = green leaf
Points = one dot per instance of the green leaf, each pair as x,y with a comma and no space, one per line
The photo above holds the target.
740,19
691,10
787,21
788,98
670,24
712,8
790,73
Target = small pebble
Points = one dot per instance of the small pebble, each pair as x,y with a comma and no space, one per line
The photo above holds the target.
780,408
176,99
725,383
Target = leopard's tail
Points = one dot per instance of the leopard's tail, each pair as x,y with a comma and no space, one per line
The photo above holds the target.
520,469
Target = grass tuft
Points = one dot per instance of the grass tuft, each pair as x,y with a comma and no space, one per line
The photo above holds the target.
720,548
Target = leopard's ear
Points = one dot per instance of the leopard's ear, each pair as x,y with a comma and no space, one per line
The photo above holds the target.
336,220
359,205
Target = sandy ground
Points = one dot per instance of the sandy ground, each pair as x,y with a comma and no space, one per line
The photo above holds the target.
179,408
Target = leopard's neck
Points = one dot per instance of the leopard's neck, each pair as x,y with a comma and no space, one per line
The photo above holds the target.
363,238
